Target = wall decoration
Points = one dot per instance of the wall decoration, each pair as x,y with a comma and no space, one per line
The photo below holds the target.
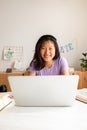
66,48
8,54
18,65
13,53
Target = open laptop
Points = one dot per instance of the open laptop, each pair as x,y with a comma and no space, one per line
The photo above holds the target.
44,90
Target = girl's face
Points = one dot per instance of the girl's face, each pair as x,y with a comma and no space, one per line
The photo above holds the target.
47,51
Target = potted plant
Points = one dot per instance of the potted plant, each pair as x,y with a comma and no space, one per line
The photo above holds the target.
83,63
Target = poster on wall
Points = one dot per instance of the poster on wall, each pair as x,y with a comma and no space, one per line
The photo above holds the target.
8,54
13,53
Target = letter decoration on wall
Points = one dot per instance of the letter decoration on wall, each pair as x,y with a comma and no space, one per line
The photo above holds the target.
66,48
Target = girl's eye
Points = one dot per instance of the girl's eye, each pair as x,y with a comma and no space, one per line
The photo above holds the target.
50,48
42,47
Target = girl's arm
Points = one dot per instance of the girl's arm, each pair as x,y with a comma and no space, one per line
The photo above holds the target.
31,73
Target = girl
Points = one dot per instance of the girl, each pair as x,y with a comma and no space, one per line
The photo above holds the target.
47,59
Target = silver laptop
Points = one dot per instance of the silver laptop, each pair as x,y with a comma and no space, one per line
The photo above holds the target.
44,90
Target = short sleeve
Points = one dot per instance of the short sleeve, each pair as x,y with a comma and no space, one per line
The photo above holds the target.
64,64
31,68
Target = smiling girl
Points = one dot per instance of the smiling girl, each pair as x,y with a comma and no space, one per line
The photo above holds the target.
47,59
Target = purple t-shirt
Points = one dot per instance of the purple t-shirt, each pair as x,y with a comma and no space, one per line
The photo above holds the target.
59,65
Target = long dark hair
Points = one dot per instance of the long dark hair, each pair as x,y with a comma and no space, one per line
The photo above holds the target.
37,59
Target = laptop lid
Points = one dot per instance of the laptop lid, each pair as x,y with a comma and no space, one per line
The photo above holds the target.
44,90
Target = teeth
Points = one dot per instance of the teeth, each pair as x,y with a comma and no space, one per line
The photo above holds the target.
46,56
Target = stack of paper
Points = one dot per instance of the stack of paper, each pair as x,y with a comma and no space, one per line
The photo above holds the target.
5,100
82,95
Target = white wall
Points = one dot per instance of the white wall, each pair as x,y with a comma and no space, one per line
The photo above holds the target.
22,22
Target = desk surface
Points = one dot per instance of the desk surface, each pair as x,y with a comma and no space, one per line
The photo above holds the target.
44,118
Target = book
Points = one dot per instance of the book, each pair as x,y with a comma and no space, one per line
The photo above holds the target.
5,100
82,95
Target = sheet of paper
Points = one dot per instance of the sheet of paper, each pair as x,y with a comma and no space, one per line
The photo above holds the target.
82,95
5,100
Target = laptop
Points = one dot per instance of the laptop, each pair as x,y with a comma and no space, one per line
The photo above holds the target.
48,91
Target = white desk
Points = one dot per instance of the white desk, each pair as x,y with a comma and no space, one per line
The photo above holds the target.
44,118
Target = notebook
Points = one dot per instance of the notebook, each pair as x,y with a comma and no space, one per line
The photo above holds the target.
44,90
5,100
82,95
